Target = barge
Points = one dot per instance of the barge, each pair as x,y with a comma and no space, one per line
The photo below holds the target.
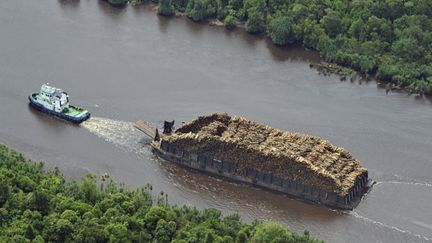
303,167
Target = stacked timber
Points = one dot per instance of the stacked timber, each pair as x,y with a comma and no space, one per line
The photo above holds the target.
305,159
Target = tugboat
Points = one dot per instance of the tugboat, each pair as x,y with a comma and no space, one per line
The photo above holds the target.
55,102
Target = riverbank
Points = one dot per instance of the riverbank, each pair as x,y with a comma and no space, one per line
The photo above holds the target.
375,45
38,205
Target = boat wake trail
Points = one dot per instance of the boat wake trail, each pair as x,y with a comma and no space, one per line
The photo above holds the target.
396,179
394,228
120,133
410,183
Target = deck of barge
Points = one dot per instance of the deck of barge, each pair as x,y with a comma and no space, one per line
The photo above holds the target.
145,128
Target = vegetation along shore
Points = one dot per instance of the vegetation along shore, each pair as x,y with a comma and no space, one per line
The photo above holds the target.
40,206
389,40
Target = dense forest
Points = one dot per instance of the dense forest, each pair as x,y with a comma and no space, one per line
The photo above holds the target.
387,39
40,206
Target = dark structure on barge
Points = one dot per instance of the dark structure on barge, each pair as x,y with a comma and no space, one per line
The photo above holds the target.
302,166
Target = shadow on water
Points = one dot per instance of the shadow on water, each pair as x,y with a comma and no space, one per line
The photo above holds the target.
144,8
294,52
116,12
50,122
194,28
70,4
417,98
163,22
422,99
428,98
249,39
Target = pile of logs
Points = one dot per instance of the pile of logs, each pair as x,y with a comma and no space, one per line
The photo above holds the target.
299,157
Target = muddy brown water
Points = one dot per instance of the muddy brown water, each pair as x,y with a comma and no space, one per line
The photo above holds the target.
129,64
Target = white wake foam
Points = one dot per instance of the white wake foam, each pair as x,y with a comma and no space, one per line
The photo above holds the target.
394,228
410,183
120,133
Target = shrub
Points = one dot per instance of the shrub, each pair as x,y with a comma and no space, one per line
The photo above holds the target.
230,22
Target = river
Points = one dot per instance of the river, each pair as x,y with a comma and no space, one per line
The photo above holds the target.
130,64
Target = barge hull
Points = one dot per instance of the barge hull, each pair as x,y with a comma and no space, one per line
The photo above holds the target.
292,189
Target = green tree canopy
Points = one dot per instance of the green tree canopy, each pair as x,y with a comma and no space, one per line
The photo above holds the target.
165,7
199,10
46,208
280,30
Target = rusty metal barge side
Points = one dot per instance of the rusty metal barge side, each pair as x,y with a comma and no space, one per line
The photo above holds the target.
266,181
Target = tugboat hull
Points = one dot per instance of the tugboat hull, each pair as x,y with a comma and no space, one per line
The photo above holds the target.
61,115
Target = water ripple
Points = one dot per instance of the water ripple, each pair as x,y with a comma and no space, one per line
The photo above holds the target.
394,228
